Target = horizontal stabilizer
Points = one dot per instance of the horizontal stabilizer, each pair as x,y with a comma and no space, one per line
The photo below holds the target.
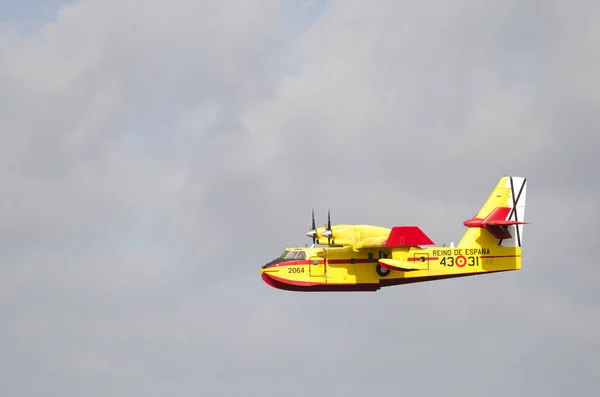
407,236
394,264
505,223
496,222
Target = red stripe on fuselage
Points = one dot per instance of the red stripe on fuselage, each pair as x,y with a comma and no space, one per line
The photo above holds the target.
413,259
374,260
499,256
347,261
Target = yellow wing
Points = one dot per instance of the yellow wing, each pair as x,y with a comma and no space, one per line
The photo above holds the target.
371,242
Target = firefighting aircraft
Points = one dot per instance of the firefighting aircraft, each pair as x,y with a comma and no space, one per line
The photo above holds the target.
366,258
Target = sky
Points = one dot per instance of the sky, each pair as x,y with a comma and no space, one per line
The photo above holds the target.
156,153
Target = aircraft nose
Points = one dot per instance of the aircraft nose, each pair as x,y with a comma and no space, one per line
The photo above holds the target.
266,265
271,263
269,267
266,269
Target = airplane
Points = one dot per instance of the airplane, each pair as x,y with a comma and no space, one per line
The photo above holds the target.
367,258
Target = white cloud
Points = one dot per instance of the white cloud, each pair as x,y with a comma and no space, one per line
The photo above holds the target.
155,154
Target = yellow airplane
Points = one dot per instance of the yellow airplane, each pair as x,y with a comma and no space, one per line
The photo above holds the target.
366,258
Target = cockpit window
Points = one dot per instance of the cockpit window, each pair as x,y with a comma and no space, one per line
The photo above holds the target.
296,255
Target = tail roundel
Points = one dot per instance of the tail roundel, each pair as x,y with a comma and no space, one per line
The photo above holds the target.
500,221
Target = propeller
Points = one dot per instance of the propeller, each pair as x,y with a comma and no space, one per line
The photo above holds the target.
326,233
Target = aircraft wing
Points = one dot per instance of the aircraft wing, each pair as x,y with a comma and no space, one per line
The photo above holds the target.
371,242
400,236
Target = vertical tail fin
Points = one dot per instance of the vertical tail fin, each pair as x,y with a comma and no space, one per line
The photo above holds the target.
500,221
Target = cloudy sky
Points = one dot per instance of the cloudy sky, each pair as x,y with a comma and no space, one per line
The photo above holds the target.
156,153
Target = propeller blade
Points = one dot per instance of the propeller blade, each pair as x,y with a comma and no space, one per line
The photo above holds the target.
329,227
314,227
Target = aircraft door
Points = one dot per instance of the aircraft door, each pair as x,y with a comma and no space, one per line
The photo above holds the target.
317,266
